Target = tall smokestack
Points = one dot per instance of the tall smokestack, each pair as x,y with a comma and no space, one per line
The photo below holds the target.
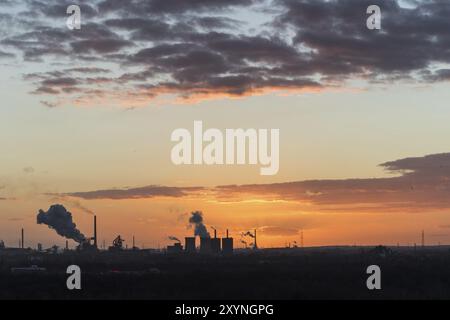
23,237
227,233
215,234
254,244
302,239
423,238
95,232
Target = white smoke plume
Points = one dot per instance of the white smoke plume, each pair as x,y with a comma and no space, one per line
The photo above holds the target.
59,219
196,219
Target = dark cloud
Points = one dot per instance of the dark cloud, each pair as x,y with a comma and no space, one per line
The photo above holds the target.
99,45
60,82
47,90
156,7
206,48
87,70
67,81
57,85
135,193
436,165
410,39
422,183
48,104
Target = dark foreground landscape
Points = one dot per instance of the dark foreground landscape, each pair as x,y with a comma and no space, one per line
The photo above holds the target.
309,273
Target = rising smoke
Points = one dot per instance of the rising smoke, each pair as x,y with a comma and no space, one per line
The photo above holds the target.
59,219
71,202
248,233
174,239
196,219
78,205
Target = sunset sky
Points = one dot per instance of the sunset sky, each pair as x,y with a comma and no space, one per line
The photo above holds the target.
86,117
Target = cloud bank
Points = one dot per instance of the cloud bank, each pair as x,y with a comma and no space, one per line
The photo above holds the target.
420,183
206,49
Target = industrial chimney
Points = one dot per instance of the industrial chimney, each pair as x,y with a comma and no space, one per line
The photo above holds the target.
215,243
189,244
423,238
22,243
227,245
255,246
95,232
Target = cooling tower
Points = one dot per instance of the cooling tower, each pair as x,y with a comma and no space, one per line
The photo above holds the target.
189,244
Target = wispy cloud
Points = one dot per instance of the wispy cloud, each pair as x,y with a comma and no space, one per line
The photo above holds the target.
28,170
277,231
135,193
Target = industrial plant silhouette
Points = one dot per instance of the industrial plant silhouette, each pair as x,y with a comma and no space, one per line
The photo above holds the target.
212,268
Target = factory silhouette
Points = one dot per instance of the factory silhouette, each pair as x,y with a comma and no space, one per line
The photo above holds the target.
208,245
59,219
206,266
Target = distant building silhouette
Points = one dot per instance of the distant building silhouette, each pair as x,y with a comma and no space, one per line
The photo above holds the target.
175,248
205,245
189,244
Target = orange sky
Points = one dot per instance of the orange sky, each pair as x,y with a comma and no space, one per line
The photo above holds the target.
87,115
